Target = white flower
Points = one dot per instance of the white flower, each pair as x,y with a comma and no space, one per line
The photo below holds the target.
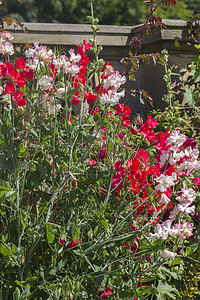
114,81
164,199
69,68
186,194
74,58
165,157
168,254
176,139
190,162
6,48
161,231
61,91
6,36
59,62
111,97
29,53
46,82
183,230
165,182
45,55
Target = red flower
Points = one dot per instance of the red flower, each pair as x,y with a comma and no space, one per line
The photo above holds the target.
108,291
119,109
86,46
7,69
17,95
61,241
134,131
127,111
126,123
93,111
151,122
72,244
20,80
9,88
169,2
90,97
75,99
20,64
29,73
142,155
147,132
21,102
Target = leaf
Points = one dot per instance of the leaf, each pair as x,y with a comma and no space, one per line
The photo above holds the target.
164,289
102,219
43,170
50,232
22,151
75,232
33,180
5,251
146,290
177,44
189,98
192,248
25,294
16,294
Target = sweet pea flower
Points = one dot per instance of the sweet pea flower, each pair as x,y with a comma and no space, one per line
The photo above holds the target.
165,182
176,139
111,97
168,254
108,291
46,82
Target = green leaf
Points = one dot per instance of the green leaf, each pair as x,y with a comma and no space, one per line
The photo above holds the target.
164,289
177,44
192,248
22,151
25,294
5,251
50,232
43,170
102,219
75,231
189,98
33,180
143,290
16,294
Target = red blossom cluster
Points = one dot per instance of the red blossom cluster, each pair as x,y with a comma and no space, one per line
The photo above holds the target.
13,78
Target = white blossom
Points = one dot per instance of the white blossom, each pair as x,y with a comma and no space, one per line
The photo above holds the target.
111,97
168,254
46,82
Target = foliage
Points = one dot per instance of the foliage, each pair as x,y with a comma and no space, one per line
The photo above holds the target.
115,12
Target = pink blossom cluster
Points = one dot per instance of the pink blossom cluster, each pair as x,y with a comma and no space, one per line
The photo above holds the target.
6,48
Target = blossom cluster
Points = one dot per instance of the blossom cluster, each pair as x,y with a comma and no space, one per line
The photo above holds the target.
6,48
71,69
176,158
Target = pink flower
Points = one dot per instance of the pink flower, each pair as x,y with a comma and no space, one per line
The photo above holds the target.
197,181
108,291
